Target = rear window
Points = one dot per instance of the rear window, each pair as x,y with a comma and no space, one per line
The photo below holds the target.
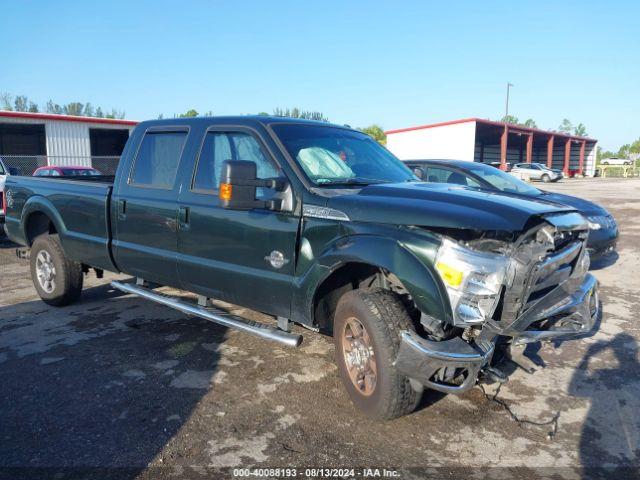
157,161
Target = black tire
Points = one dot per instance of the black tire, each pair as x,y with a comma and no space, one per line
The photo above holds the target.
67,279
383,316
545,178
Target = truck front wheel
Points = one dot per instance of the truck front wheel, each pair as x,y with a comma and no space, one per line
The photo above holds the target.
57,279
366,335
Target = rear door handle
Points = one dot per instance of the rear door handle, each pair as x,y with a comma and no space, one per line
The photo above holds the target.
183,218
122,209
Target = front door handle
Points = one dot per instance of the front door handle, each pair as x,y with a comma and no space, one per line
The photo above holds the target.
183,218
122,209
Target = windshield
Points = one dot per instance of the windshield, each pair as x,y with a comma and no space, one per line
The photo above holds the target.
505,182
336,156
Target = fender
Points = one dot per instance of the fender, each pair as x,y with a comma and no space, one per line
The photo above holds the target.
416,275
38,203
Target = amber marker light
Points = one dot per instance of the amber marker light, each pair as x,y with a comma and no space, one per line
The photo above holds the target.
225,191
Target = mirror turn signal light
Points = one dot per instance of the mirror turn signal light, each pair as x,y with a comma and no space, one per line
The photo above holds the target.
225,191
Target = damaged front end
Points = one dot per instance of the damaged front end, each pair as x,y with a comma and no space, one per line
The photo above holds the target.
502,293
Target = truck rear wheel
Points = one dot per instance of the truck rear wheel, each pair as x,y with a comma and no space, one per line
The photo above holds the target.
366,334
57,279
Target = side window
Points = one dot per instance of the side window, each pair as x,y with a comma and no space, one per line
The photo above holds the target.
442,175
437,175
220,146
157,161
54,173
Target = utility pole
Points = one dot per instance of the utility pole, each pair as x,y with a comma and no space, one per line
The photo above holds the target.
506,113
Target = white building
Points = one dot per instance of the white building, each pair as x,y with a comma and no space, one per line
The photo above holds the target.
29,140
486,141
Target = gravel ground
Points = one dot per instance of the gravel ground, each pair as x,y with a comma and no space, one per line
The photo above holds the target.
115,386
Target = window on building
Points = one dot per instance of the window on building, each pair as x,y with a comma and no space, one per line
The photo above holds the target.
107,142
22,139
156,163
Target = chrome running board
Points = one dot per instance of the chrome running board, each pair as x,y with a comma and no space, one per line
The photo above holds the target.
213,315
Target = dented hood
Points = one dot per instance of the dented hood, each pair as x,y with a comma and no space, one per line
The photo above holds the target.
441,205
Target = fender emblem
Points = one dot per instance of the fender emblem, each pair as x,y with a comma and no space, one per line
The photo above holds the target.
8,195
276,259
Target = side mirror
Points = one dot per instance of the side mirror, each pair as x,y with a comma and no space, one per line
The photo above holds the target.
13,171
239,183
418,172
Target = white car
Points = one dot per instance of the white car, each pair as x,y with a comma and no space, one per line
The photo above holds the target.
615,161
536,171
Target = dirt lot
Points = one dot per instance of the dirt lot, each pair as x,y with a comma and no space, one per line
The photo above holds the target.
122,387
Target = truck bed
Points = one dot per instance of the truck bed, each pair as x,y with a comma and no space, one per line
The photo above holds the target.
79,208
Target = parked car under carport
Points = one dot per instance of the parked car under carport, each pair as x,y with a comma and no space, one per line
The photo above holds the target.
603,233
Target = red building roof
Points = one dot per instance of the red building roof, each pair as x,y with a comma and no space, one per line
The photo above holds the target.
511,126
66,118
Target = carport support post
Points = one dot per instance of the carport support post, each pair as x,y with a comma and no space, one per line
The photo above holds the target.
550,151
567,156
583,146
529,147
503,149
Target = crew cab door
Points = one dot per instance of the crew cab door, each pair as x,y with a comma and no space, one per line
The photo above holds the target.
226,254
146,207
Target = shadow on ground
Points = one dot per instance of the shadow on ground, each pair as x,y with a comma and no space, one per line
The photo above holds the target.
611,432
98,384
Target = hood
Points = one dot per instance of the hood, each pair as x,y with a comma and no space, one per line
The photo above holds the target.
585,207
441,205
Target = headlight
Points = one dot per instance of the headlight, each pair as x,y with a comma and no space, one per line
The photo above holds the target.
597,222
473,280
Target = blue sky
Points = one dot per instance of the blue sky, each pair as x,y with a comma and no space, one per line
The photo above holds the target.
394,63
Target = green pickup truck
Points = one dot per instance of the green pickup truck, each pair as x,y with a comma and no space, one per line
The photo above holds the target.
420,285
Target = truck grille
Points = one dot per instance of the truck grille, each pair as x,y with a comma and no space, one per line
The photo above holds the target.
536,273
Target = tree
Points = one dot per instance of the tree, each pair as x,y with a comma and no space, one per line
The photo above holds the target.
73,108
566,126
33,107
376,132
263,114
88,110
98,113
189,113
21,103
531,123
580,130
295,112
54,108
7,101
510,119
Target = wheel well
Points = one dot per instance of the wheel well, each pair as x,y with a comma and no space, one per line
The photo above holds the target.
38,223
346,278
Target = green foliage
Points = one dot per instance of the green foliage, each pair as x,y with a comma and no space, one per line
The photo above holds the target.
580,130
512,119
7,101
531,123
189,113
566,126
54,108
295,112
376,132
21,103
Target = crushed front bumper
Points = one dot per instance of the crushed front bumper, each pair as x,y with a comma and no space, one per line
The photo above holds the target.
568,311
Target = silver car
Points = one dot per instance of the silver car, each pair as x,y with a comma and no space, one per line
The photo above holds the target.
536,171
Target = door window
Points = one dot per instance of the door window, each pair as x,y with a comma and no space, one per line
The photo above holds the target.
156,163
221,146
